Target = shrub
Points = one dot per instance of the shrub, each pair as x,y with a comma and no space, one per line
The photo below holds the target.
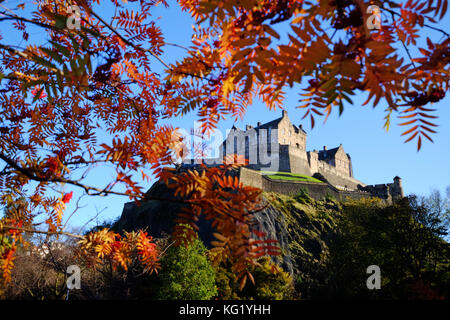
302,196
38,275
271,283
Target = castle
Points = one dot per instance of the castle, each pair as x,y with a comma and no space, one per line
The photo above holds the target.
279,146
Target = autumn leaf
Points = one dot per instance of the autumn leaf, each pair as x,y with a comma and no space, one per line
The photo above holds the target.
67,197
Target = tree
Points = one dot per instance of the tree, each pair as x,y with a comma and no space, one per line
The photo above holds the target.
432,211
398,238
95,74
187,274
438,208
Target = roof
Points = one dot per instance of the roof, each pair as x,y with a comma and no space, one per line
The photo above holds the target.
274,124
270,124
297,129
328,154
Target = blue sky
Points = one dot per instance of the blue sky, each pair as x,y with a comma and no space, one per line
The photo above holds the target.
377,155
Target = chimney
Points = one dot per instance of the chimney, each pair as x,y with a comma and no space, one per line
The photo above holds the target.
324,147
259,123
284,113
301,127
248,127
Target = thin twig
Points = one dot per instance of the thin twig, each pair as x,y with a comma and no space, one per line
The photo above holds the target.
425,25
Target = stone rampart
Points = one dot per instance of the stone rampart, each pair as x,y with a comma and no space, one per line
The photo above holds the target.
316,190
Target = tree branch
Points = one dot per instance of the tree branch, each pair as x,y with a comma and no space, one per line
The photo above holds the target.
93,191
7,228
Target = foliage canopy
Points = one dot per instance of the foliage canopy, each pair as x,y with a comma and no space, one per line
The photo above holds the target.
57,97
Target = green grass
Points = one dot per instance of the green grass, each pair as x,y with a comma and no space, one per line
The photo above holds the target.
289,176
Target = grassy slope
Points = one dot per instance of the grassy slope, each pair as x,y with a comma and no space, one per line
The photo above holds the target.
289,176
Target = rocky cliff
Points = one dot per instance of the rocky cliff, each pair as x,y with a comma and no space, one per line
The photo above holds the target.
303,226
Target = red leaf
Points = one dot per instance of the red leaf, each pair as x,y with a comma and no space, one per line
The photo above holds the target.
66,198
36,90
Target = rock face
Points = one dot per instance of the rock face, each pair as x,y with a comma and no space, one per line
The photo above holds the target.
302,226
272,223
157,217
309,229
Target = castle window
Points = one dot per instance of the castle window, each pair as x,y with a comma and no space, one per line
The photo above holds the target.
247,147
297,145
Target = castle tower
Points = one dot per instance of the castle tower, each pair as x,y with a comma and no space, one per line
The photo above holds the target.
397,188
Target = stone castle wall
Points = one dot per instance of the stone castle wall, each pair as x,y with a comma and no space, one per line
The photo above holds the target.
386,191
297,159
317,190
341,177
336,177
251,177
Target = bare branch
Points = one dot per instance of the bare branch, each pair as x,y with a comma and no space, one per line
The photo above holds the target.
49,233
